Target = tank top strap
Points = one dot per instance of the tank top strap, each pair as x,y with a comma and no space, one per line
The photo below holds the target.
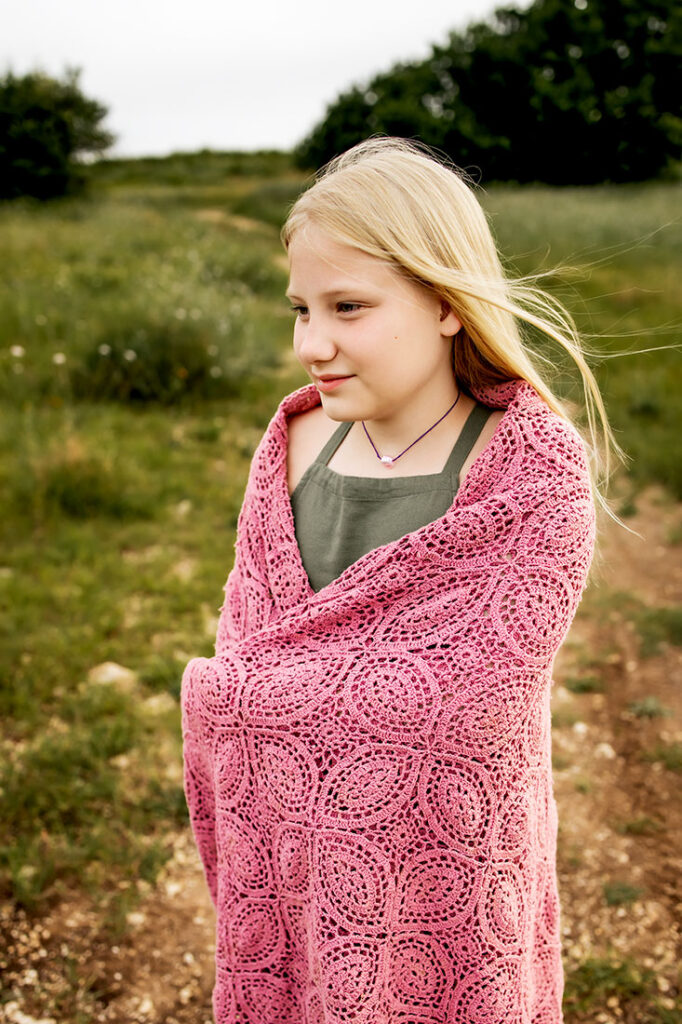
333,443
469,434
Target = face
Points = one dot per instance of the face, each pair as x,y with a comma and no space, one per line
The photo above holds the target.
376,345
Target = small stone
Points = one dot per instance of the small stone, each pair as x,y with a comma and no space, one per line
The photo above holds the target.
135,918
183,508
159,704
605,750
109,673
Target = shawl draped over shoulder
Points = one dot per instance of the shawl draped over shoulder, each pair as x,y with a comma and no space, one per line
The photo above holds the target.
367,768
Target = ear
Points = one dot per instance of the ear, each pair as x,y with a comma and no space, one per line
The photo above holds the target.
450,324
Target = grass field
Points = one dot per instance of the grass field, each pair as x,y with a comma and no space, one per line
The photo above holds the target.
144,344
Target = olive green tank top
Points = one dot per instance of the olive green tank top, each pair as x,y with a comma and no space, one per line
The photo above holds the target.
339,518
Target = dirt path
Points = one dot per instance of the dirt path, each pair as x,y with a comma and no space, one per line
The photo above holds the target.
617,718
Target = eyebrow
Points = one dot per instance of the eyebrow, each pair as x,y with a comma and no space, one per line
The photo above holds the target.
333,293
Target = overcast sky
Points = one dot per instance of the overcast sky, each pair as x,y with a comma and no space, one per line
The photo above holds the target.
219,73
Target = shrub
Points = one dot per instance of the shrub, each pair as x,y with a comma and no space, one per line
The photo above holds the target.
161,361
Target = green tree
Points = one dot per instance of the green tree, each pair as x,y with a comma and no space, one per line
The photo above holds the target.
47,126
566,91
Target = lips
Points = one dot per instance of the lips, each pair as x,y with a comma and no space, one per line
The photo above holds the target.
329,382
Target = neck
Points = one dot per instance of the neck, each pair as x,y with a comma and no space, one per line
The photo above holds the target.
390,435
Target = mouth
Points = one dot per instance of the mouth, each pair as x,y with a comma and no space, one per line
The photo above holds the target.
328,382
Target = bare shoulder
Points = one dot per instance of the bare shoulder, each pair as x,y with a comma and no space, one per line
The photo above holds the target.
308,434
482,440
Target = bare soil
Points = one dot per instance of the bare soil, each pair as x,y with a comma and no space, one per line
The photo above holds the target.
620,823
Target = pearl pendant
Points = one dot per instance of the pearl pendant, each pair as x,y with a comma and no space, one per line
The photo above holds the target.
387,461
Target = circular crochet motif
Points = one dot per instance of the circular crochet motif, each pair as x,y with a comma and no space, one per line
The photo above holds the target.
256,934
368,786
289,690
532,611
267,998
458,802
350,970
355,877
286,774
501,908
241,854
419,974
393,697
214,685
490,996
436,889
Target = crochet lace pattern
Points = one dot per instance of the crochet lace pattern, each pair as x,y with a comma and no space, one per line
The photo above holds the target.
367,768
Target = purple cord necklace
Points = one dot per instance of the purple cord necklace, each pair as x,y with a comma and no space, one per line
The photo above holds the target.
389,461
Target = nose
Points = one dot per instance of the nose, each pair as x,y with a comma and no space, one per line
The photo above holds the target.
314,342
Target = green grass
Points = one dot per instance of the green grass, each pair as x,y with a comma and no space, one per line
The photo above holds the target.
642,826
122,477
589,985
649,707
668,754
618,894
657,626
584,684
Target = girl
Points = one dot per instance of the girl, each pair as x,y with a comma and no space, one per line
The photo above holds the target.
367,756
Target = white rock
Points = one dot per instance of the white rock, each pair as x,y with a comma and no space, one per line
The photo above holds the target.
580,728
16,1016
109,673
605,750
159,704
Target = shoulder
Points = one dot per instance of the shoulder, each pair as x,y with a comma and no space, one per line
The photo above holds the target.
482,440
308,432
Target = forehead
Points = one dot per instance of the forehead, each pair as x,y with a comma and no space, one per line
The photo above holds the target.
317,258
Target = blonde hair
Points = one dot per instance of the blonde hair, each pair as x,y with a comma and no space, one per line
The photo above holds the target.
393,199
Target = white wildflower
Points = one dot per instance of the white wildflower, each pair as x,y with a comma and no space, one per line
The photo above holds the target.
212,350
180,313
104,350
17,351
130,355
59,358
41,319
215,371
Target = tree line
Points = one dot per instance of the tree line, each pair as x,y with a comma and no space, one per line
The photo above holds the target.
565,91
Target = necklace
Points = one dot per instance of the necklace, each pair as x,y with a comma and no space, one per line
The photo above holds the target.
389,461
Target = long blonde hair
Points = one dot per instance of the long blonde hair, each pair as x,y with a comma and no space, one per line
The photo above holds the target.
393,199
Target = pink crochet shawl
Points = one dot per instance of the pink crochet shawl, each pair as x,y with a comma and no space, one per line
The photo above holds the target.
368,769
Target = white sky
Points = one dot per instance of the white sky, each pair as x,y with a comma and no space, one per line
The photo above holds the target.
219,73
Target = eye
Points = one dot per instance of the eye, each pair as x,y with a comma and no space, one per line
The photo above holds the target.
348,307
300,311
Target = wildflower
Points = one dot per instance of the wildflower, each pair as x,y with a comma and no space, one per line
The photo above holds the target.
104,350
17,351
41,319
180,313
59,358
212,350
130,355
216,371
